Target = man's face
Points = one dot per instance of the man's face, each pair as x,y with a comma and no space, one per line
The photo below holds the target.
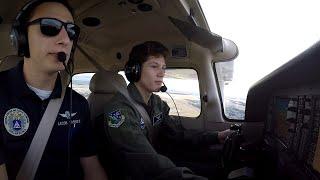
153,71
44,49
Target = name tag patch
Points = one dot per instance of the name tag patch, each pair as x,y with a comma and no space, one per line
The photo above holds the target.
64,123
67,115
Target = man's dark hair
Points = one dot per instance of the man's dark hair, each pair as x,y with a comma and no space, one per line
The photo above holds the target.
28,11
141,52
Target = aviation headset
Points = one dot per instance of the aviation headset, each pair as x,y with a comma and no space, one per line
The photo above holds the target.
18,34
133,70
133,67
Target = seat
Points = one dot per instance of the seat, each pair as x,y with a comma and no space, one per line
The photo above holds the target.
9,62
102,90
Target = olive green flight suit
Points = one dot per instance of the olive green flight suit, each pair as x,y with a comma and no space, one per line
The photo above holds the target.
132,139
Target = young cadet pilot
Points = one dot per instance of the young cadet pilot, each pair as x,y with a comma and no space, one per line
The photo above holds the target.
41,30
134,144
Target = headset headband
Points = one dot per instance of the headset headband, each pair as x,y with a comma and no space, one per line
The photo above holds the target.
18,34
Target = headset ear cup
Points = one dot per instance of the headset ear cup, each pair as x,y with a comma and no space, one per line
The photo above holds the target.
18,34
133,71
128,72
19,40
23,48
24,45
13,38
137,72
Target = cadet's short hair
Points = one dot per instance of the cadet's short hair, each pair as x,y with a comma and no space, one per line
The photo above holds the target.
141,52
139,55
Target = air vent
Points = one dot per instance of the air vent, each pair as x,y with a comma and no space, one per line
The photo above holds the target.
145,7
135,1
91,21
118,55
179,52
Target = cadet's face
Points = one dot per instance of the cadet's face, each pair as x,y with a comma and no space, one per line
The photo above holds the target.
153,71
44,49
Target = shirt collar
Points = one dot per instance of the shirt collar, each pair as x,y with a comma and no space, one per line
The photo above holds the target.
19,87
57,90
135,94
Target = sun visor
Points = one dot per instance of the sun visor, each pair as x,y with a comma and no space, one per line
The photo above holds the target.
229,53
199,35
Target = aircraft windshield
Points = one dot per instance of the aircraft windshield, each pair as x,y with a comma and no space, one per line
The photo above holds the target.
267,33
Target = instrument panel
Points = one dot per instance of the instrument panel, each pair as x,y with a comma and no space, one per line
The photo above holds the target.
294,122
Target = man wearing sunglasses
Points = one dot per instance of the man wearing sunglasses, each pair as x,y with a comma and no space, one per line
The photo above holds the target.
45,35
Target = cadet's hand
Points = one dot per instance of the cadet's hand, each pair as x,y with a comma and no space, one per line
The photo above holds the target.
222,135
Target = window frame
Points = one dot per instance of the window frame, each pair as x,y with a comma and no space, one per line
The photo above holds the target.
221,98
71,81
169,68
199,88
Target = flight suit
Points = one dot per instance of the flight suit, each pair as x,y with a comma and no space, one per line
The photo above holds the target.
132,140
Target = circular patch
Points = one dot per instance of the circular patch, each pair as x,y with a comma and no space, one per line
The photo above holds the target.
16,122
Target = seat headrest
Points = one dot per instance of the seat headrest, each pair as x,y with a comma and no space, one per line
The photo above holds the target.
102,82
9,62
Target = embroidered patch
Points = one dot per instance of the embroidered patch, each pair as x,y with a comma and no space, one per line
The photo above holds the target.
142,126
157,119
16,122
115,119
67,114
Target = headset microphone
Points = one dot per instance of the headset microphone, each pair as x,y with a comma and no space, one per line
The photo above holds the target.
163,88
62,56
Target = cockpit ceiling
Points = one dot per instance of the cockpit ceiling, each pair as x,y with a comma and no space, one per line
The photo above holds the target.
137,28
121,27
114,26
123,23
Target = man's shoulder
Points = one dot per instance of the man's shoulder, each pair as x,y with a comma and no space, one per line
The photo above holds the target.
78,97
118,100
119,103
4,75
4,81
119,110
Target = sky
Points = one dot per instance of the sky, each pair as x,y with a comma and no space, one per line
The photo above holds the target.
268,34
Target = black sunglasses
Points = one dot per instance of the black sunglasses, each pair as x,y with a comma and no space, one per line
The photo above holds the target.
52,27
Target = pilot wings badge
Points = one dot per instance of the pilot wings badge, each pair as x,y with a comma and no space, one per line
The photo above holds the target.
67,115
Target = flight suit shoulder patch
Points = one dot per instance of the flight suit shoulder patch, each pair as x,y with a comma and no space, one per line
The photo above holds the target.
115,118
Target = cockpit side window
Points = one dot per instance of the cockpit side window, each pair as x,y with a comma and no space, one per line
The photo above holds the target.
233,99
187,100
81,82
